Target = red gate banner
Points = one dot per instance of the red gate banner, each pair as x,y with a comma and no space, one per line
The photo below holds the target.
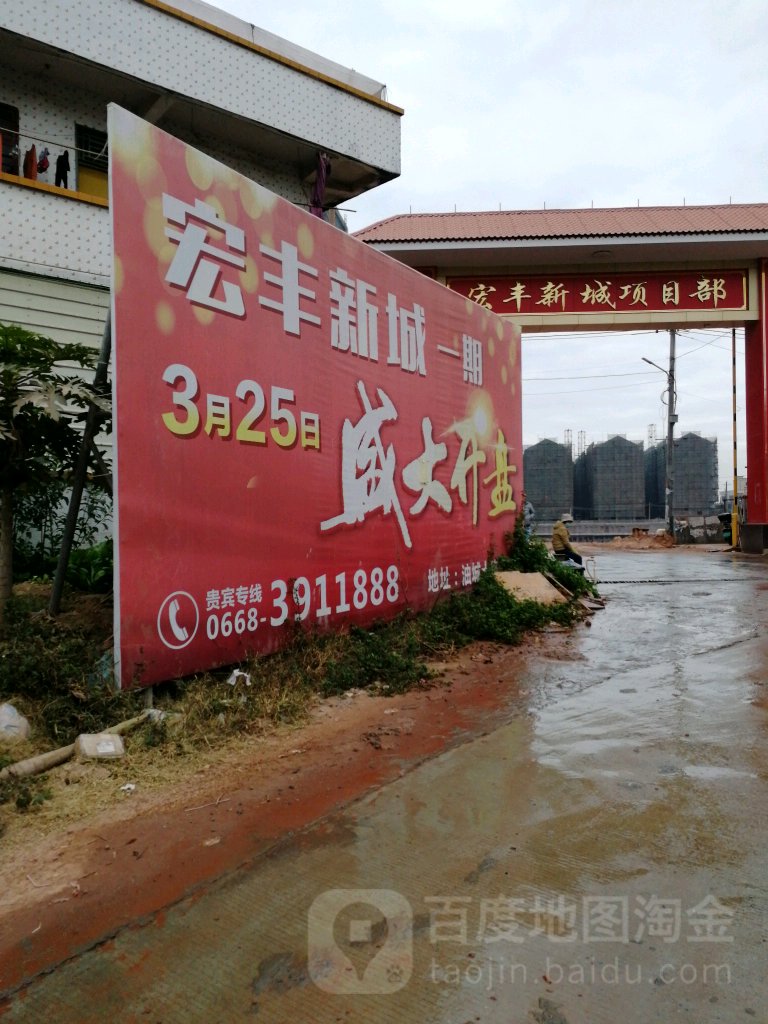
306,431
608,292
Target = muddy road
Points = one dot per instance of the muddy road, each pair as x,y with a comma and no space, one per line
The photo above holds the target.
600,857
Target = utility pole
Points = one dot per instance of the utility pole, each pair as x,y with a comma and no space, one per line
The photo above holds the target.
669,490
671,421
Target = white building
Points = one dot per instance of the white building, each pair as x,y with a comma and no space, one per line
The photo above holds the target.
254,101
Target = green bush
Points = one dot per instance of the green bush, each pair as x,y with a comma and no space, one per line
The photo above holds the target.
91,569
389,657
49,669
38,528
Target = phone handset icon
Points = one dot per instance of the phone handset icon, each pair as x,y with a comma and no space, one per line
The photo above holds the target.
178,620
180,632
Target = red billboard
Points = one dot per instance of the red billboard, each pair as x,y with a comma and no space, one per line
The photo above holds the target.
607,292
306,430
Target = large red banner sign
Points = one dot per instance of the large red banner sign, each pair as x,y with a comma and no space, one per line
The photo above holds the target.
306,431
607,292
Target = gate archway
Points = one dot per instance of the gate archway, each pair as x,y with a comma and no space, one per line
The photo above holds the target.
689,267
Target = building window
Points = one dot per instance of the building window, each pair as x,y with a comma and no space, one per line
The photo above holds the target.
9,139
92,161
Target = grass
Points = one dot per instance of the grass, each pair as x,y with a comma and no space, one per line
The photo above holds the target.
53,670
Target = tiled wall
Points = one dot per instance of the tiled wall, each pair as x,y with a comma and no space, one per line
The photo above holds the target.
54,236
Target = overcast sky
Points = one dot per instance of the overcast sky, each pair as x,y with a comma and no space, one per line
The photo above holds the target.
518,103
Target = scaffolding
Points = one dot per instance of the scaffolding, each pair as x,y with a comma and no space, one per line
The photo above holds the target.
609,480
618,479
695,484
548,474
655,463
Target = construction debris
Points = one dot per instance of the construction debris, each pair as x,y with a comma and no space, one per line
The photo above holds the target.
99,746
531,586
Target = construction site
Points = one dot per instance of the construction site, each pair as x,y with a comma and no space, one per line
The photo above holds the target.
621,482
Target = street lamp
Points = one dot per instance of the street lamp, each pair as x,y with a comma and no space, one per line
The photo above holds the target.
669,509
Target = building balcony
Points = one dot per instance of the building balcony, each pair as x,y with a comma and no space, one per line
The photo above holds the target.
233,91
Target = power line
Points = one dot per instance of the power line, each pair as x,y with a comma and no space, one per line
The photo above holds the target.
583,391
690,350
594,376
618,337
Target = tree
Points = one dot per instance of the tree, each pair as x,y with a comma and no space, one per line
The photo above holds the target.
40,399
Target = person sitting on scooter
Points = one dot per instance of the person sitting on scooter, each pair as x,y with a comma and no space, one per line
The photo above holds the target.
561,540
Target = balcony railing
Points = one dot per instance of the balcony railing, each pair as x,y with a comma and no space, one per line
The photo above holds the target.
45,165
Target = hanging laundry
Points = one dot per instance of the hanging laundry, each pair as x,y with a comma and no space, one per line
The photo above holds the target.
318,191
30,163
62,169
43,163
9,153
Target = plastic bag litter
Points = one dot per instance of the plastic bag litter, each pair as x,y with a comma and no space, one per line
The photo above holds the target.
13,725
239,674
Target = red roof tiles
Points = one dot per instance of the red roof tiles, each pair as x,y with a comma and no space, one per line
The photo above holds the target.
526,224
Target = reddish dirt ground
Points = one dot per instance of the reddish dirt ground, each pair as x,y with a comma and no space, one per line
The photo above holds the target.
61,894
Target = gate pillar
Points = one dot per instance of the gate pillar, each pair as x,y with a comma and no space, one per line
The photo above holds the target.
756,389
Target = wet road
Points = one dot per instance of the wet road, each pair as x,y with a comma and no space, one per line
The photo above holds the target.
600,857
